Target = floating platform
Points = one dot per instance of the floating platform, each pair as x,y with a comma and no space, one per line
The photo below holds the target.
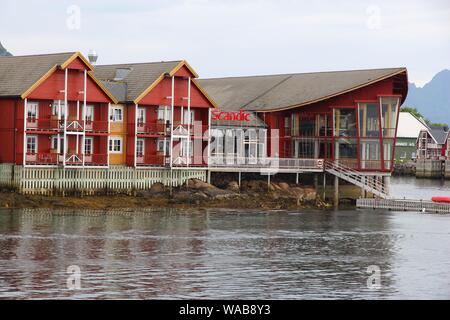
404,205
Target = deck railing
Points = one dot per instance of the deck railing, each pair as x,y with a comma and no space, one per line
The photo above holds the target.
266,163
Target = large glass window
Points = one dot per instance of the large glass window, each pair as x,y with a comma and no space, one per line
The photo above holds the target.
346,151
370,154
307,126
388,145
389,111
369,120
345,122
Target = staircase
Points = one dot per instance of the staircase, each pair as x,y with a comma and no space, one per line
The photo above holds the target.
373,186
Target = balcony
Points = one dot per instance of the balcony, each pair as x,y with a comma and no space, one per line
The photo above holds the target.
183,129
49,124
158,128
73,125
234,163
150,160
55,159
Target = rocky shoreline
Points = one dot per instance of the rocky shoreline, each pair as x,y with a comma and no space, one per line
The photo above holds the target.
196,194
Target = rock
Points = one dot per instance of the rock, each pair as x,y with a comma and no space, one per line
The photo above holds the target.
196,184
233,186
284,186
310,194
157,188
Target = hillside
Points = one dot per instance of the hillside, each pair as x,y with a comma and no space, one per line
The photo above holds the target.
433,100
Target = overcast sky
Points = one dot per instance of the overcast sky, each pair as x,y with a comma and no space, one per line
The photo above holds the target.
239,37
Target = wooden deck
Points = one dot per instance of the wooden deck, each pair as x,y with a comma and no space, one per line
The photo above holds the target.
404,205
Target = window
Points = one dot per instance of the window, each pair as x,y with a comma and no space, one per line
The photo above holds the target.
141,116
185,145
345,122
163,145
116,114
369,122
32,110
186,119
164,113
89,113
389,112
89,145
115,145
140,148
54,143
31,144
58,107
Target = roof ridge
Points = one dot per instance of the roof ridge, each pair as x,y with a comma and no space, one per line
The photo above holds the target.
302,73
40,55
137,63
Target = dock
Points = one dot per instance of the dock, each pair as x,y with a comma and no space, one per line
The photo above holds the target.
422,206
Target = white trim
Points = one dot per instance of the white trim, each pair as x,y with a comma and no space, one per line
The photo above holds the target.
113,115
136,109
115,138
25,103
35,143
92,145
66,111
171,122
143,146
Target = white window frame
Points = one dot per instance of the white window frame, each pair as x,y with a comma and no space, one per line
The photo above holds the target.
29,137
186,116
91,139
114,117
139,141
141,115
111,145
89,113
163,145
165,111
33,107
55,108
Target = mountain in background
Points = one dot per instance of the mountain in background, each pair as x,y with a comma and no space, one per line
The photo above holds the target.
3,51
433,100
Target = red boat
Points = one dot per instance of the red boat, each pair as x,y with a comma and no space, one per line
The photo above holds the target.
441,199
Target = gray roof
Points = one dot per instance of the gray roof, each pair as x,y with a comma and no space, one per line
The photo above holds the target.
19,73
117,89
276,92
137,80
439,134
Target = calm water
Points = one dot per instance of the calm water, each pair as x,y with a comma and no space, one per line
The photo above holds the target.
225,254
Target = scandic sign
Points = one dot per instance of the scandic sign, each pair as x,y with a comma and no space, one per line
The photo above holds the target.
231,116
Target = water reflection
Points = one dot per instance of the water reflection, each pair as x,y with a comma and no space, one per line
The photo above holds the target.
215,254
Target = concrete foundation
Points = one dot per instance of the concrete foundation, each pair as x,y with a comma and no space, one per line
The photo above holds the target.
447,169
430,169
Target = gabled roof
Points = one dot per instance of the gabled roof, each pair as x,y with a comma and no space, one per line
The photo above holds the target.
282,92
140,78
20,75
439,134
409,126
